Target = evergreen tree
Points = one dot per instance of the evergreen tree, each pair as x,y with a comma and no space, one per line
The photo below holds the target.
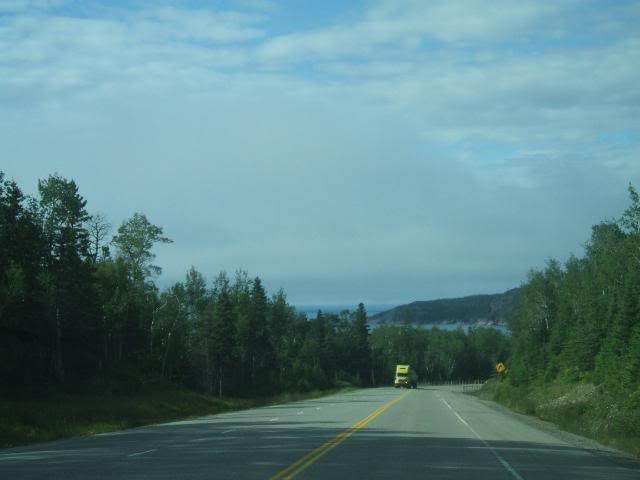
223,346
280,323
68,278
241,298
23,330
261,356
360,349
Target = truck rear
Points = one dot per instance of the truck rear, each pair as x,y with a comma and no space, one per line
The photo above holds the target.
405,377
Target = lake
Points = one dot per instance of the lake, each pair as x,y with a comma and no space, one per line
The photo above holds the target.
311,310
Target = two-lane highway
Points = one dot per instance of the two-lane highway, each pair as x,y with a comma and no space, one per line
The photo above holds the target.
377,433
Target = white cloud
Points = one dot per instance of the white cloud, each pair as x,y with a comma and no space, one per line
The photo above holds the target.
418,141
63,55
406,24
170,23
260,5
20,5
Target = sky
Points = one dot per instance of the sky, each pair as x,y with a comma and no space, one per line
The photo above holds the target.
378,151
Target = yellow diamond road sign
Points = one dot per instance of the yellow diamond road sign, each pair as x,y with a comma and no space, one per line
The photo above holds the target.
500,368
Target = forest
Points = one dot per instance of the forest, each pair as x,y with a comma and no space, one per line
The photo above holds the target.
576,335
80,309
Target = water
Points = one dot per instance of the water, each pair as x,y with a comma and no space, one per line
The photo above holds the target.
312,310
465,326
450,327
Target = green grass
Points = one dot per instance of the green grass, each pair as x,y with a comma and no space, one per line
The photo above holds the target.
579,407
62,415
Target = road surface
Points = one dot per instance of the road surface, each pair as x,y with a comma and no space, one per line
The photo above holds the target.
429,433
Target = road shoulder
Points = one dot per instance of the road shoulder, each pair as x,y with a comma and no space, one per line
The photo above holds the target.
578,441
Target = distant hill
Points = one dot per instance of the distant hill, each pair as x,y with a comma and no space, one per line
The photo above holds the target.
476,309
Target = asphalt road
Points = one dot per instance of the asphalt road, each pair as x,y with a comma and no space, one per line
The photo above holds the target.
429,433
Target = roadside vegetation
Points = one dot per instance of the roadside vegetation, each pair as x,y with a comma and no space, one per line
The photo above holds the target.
576,338
89,343
578,407
49,416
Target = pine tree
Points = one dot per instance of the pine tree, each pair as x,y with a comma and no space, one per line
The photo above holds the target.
23,340
69,275
360,348
223,346
280,322
262,358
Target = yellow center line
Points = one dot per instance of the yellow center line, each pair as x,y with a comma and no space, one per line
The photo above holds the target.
311,457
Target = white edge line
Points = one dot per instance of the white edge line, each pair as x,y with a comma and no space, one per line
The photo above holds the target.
142,453
504,463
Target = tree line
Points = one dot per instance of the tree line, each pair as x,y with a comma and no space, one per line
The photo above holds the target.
581,321
79,305
438,355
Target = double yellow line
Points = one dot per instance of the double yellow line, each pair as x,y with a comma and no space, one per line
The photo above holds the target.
311,457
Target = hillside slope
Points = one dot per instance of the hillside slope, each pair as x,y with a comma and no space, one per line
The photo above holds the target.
492,309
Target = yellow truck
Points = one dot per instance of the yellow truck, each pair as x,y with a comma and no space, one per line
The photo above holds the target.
405,377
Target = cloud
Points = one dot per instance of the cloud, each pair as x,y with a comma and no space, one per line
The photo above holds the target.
170,23
415,150
460,21
13,6
561,95
260,5
407,25
49,56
